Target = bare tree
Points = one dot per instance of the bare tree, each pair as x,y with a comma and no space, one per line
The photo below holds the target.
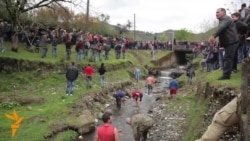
15,8
123,28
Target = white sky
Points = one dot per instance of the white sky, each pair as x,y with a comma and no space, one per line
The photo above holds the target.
160,15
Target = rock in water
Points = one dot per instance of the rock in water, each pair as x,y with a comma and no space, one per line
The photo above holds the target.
85,123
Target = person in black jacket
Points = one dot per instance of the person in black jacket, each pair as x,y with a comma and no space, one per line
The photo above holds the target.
71,75
228,39
102,72
241,51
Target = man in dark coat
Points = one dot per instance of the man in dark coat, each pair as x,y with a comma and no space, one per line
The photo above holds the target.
71,75
228,39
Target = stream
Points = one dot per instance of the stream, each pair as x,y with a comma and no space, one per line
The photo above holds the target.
129,109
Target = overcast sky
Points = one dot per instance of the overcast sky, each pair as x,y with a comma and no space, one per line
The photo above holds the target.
159,15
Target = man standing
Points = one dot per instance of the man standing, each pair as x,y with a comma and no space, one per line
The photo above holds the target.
106,132
44,44
228,39
149,82
102,71
88,71
140,125
71,75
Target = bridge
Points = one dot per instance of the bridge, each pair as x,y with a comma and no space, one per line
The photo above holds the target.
180,52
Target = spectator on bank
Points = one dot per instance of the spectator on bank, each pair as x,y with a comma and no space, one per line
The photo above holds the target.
123,50
118,48
241,49
54,46
79,49
89,71
190,75
137,74
71,75
107,48
68,44
44,44
228,39
102,71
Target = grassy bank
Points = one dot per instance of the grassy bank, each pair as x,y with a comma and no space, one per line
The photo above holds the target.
197,105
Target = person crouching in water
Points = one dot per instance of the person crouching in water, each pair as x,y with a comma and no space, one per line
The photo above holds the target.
137,96
120,98
140,125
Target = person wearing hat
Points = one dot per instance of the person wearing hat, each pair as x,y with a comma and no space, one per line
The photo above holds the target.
140,125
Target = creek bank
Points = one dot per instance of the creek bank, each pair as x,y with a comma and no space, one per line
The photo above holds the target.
217,98
11,65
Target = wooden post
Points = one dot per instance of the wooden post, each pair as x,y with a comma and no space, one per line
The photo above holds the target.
244,105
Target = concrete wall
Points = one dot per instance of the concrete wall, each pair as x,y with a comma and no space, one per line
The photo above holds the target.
167,61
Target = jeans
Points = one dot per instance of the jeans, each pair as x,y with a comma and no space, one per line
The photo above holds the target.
44,52
221,56
153,55
210,67
68,53
94,54
102,80
190,80
123,55
100,56
240,54
70,87
106,54
79,55
54,49
85,53
137,76
88,81
118,54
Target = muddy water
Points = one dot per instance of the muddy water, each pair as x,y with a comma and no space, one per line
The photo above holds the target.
129,109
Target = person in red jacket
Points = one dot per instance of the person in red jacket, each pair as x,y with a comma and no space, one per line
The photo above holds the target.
89,71
137,96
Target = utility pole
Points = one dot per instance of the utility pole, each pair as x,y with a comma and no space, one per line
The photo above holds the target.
134,27
87,17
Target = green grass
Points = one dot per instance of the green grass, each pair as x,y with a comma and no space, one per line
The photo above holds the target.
56,106
195,115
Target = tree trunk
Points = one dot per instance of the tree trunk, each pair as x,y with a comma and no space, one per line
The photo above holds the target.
14,36
14,39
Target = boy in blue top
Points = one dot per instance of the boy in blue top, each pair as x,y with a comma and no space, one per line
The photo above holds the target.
173,86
